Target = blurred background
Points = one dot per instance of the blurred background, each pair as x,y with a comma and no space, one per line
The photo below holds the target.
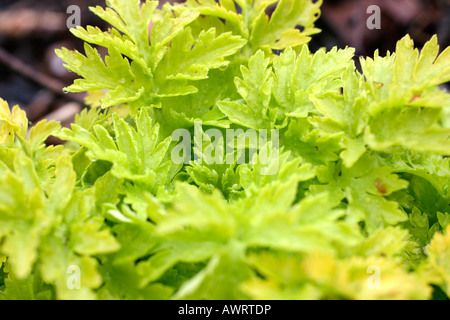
32,76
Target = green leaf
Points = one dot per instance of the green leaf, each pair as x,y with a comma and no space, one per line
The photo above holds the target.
130,285
41,131
322,276
406,104
412,128
364,186
255,88
88,239
311,145
30,288
301,79
206,285
277,32
191,60
23,218
134,151
280,31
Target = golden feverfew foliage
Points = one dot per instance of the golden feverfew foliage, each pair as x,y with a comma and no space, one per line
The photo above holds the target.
356,205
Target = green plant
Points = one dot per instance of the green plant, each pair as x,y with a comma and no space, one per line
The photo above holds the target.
362,179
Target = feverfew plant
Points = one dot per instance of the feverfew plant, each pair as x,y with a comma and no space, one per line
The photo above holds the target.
356,205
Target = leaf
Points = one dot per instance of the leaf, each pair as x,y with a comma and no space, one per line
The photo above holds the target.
365,187
277,32
88,239
30,288
387,242
313,146
404,100
425,71
280,31
134,151
438,260
61,190
143,67
207,285
23,219
191,60
115,74
255,89
129,287
41,131
322,276
412,128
